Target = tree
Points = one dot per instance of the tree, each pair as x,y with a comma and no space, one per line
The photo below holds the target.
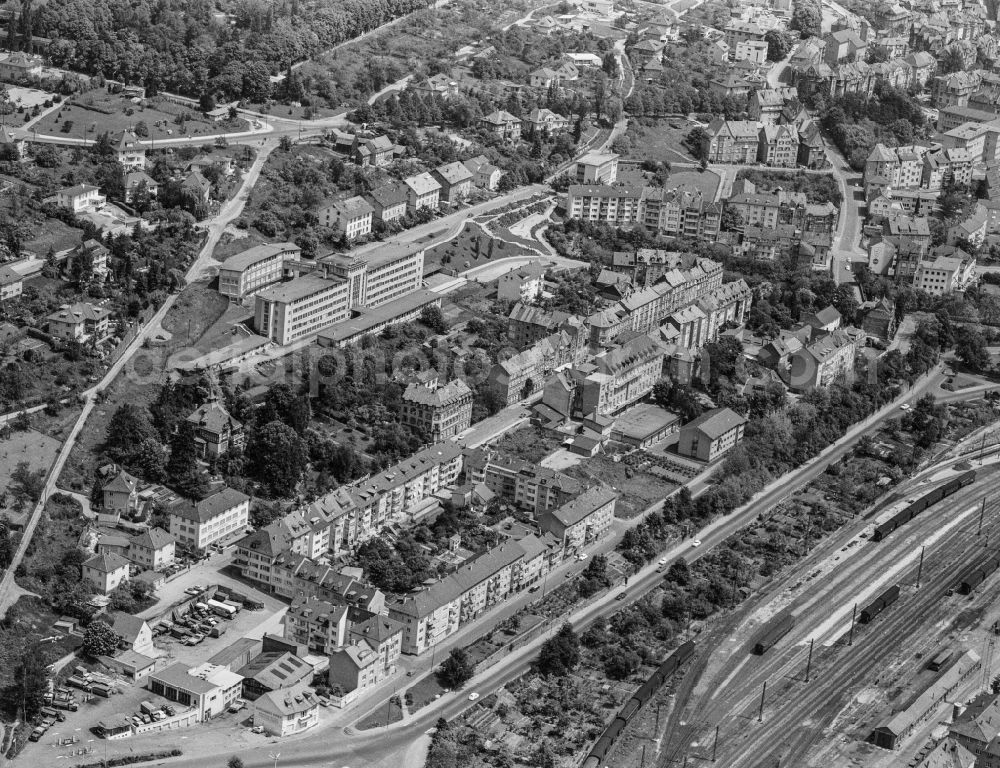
183,471
99,639
970,347
731,220
807,18
433,318
30,682
778,45
457,669
697,142
234,762
206,102
128,427
559,654
276,458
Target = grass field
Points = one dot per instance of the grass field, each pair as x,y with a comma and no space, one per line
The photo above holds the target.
196,310
461,252
53,234
659,140
35,448
707,182
97,112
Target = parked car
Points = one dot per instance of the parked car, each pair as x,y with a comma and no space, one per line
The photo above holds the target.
257,729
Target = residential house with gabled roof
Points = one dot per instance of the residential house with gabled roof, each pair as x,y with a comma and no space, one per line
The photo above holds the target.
350,217
827,319
11,283
711,435
389,202
15,140
423,191
353,670
376,151
136,181
120,495
286,712
106,572
80,322
545,121
133,633
129,152
81,198
152,550
455,180
216,432
503,124
197,186
485,174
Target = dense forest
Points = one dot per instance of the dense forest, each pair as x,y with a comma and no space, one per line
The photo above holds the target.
188,47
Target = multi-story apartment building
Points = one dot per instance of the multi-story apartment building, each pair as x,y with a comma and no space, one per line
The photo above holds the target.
515,481
216,517
423,191
779,146
246,273
954,89
439,413
767,209
316,624
911,240
597,168
581,520
525,373
528,325
455,180
737,32
620,377
350,217
433,614
947,269
681,212
819,363
611,205
731,141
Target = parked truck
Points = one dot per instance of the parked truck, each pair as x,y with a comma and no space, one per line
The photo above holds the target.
147,708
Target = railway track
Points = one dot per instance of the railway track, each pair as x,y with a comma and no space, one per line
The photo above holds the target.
796,715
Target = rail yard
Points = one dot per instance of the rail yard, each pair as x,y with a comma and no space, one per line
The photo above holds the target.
841,644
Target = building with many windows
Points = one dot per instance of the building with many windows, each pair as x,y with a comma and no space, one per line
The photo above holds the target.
711,435
619,377
351,217
597,168
245,273
440,413
581,520
201,523
290,311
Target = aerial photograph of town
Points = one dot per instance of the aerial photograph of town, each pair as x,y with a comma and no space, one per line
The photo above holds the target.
500,383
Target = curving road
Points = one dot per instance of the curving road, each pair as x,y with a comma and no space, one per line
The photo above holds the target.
229,212
385,746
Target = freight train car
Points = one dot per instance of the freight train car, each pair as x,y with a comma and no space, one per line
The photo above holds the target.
918,505
607,740
775,629
879,604
978,573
